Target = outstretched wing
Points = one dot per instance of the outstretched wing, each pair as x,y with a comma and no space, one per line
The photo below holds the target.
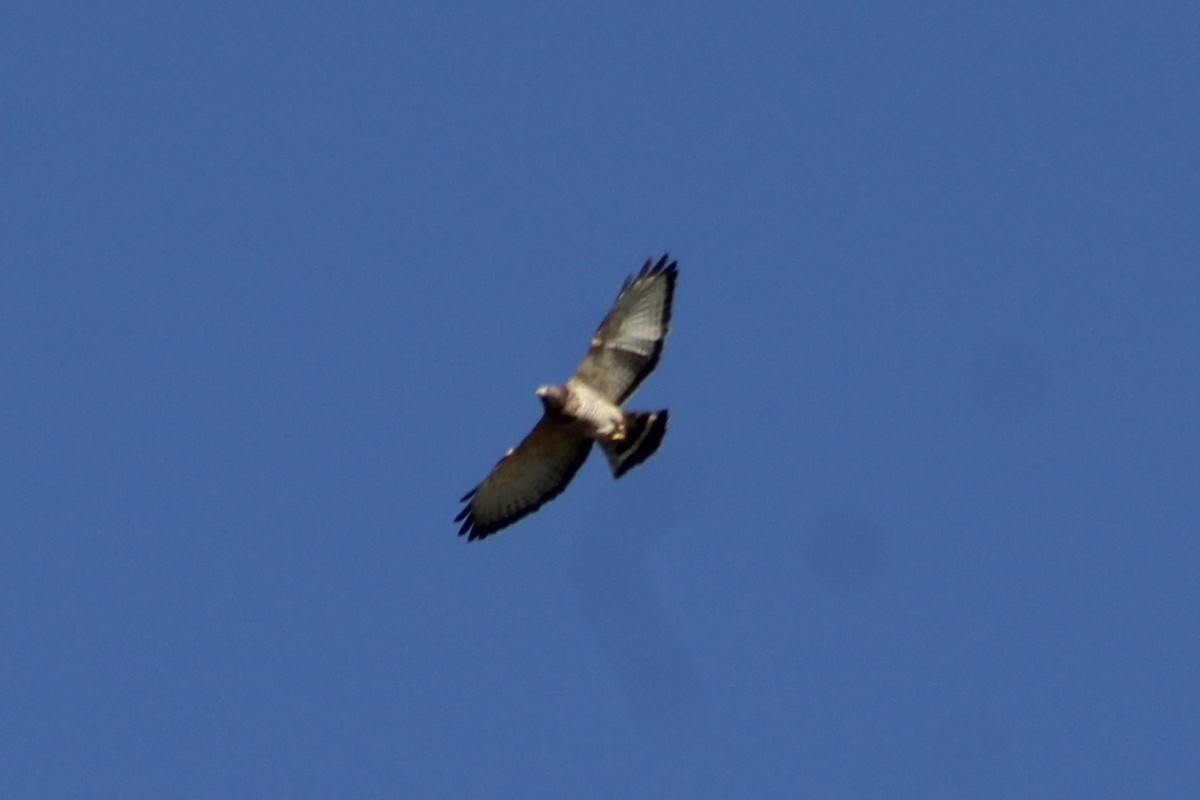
629,342
530,475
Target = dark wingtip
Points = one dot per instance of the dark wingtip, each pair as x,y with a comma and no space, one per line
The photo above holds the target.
467,517
474,530
664,266
470,525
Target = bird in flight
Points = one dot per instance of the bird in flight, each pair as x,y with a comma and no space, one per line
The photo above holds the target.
586,409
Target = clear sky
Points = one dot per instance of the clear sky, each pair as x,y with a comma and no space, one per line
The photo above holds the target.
278,281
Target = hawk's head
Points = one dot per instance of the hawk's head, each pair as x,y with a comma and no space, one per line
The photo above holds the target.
554,398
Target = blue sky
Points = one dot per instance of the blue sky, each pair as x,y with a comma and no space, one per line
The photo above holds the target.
277,284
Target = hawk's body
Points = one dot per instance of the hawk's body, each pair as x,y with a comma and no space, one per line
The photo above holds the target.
586,409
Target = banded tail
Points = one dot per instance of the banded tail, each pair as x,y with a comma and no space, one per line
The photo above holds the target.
644,431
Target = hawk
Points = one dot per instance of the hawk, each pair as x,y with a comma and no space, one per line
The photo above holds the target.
586,409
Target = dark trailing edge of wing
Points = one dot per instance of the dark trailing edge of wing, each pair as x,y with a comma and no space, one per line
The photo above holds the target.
660,268
474,530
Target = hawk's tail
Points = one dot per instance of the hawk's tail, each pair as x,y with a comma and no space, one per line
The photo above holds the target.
644,431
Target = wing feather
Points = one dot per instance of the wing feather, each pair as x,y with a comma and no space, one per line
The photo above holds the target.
530,475
629,342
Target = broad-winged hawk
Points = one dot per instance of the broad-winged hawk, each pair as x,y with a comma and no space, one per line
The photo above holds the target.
586,409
